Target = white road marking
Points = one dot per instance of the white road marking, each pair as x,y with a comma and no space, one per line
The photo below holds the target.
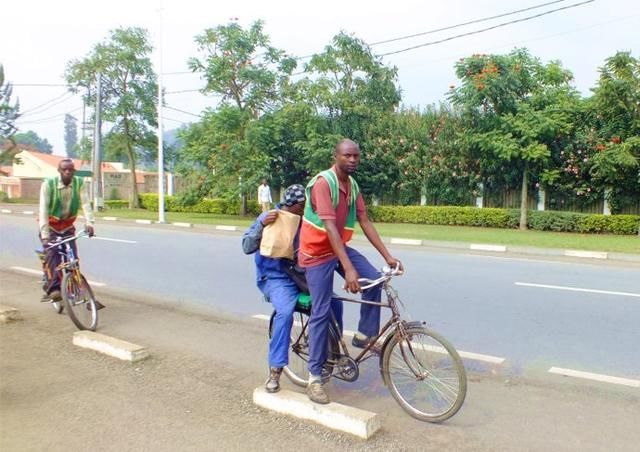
226,228
28,270
587,254
414,242
578,289
596,377
433,348
5,211
110,218
113,240
144,221
39,273
483,247
28,212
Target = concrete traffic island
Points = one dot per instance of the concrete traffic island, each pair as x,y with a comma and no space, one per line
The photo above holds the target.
344,418
9,314
110,346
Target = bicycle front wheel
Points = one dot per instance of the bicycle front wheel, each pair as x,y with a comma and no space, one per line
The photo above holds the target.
424,374
79,301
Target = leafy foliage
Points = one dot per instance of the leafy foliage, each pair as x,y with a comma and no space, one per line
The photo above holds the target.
129,87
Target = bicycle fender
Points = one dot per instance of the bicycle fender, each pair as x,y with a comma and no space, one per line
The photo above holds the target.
413,324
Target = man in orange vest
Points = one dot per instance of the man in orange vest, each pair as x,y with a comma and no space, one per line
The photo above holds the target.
60,199
334,203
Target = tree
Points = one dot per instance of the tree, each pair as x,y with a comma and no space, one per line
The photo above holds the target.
250,76
71,135
516,108
8,114
129,89
615,109
349,86
33,140
241,66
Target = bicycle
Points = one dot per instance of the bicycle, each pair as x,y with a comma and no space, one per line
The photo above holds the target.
421,369
76,292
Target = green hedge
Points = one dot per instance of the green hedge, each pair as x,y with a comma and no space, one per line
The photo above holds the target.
149,201
116,204
506,218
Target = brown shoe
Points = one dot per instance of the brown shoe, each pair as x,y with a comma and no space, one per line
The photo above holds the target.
53,296
273,382
316,392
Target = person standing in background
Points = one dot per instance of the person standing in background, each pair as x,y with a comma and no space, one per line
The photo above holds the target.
264,196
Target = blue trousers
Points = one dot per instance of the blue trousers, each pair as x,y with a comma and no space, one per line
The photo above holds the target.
283,294
320,281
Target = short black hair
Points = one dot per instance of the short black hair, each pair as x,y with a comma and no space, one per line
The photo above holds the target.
66,159
346,141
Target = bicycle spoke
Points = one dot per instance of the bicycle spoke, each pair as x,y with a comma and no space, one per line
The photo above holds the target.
426,379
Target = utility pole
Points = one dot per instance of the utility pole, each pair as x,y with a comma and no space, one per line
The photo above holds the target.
161,218
97,146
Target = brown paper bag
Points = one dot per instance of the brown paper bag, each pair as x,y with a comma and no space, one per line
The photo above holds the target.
277,238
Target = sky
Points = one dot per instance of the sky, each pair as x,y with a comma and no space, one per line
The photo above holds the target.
39,38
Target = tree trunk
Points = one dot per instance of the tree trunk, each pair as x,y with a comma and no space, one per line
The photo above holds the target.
133,196
523,199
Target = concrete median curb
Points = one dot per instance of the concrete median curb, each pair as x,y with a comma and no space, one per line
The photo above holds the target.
336,416
110,346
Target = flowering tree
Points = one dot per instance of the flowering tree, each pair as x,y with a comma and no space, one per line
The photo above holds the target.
515,108
616,112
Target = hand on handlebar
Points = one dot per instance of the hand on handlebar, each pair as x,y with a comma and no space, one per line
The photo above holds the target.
351,283
395,265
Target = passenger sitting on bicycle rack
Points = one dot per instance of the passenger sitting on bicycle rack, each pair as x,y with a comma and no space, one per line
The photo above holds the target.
335,203
60,199
276,285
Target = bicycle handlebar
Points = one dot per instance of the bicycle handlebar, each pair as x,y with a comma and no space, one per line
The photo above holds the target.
59,242
387,274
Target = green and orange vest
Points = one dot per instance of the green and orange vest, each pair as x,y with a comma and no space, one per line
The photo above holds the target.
55,203
314,241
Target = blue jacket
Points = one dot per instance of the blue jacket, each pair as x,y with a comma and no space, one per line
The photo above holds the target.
266,267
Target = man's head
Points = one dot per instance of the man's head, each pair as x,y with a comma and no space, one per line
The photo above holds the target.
66,170
264,181
347,156
294,199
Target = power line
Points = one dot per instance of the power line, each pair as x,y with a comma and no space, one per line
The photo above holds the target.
48,119
54,102
182,111
449,27
40,84
504,24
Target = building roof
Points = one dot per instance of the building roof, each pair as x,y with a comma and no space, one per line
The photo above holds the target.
54,160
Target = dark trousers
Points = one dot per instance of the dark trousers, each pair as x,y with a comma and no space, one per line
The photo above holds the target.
320,280
53,259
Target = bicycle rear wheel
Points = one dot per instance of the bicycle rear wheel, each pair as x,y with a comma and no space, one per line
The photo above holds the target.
79,301
297,370
424,374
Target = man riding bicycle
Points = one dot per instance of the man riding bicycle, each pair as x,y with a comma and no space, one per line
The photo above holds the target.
60,200
334,204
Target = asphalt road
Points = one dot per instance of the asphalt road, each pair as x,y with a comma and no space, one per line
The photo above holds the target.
497,306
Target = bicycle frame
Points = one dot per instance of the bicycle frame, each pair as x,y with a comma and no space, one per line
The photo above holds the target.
392,324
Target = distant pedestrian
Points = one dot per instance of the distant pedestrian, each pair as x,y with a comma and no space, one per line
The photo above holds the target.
264,196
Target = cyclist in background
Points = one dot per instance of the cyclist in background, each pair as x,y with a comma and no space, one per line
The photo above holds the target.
60,199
